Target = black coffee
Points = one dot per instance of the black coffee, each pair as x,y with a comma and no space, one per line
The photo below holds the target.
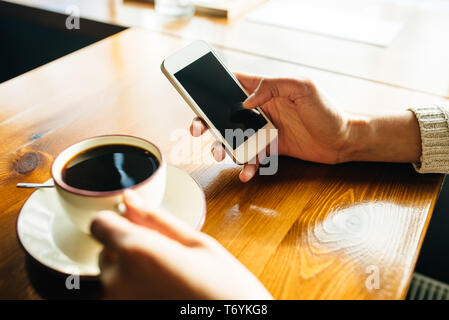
109,167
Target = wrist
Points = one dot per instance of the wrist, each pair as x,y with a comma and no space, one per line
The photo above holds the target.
356,138
357,133
392,137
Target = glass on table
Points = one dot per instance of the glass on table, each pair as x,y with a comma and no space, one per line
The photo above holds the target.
175,8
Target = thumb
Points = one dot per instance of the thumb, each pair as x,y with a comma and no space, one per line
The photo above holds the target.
110,229
158,220
265,91
249,82
274,88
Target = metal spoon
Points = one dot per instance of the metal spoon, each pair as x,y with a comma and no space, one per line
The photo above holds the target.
48,184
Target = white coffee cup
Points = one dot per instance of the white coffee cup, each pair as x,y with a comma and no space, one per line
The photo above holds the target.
81,206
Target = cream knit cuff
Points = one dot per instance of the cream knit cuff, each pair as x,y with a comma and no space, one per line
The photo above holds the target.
434,127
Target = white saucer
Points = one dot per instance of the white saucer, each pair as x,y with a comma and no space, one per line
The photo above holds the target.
48,236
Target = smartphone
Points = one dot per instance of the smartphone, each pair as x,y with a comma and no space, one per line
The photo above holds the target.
216,96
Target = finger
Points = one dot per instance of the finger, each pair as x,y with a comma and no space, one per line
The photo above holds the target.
265,91
108,255
156,219
273,88
122,237
109,228
108,269
218,151
106,259
249,171
249,82
198,127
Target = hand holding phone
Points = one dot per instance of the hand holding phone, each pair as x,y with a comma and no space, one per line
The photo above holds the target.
311,126
198,128
216,96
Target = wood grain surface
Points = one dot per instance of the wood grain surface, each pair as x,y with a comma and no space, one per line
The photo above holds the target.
311,231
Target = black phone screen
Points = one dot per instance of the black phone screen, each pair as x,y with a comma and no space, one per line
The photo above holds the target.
219,97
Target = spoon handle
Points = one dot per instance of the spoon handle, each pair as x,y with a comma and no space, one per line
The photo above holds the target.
49,184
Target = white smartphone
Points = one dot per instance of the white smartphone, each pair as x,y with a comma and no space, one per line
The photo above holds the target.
216,96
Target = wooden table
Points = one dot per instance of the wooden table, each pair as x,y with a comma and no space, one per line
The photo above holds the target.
311,231
415,60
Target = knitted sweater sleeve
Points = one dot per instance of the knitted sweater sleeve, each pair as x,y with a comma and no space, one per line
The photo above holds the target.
434,126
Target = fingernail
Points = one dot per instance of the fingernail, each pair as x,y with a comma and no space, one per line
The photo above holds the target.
250,97
248,173
243,176
215,154
196,128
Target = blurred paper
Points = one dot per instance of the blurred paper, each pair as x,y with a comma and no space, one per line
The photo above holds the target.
327,20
